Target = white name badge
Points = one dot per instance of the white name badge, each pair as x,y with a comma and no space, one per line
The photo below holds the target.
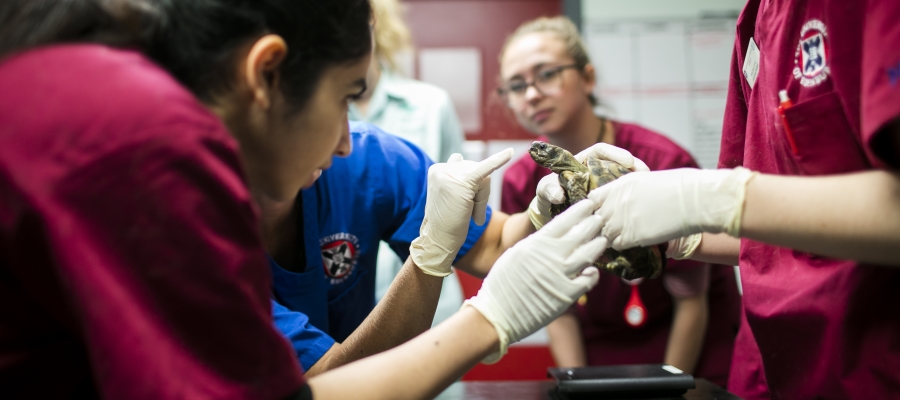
751,63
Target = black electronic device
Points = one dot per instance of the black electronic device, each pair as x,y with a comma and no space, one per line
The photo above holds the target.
621,382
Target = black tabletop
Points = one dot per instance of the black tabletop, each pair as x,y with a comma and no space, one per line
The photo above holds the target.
541,390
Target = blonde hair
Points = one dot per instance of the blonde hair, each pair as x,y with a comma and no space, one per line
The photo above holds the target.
391,33
563,29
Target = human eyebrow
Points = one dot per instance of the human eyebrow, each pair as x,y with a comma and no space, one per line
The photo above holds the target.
534,70
538,68
516,77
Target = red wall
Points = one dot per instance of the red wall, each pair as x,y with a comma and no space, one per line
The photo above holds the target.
483,24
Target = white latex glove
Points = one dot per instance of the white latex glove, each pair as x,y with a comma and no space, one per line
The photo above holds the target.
609,152
550,192
457,191
683,247
540,277
648,208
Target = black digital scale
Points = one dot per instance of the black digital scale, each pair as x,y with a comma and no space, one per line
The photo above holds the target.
621,382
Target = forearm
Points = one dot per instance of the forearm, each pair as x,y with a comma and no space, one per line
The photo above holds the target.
566,341
418,369
718,249
516,228
691,316
853,216
503,232
405,311
534,282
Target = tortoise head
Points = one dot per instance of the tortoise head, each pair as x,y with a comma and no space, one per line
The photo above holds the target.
547,154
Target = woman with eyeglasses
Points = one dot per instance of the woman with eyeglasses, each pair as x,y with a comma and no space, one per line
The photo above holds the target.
690,314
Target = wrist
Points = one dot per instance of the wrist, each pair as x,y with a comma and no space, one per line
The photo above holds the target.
719,204
482,329
538,216
684,247
499,331
740,178
432,258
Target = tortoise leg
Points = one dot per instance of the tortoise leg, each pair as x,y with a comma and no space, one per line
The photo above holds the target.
645,261
620,266
574,191
556,209
633,263
576,187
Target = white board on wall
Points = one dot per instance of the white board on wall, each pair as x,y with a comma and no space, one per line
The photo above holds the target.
660,9
665,64
670,75
458,71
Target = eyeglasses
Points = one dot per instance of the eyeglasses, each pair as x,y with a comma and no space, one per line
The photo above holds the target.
546,81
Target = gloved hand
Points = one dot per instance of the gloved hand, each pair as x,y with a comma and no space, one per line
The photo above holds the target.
609,152
536,280
457,191
647,208
550,192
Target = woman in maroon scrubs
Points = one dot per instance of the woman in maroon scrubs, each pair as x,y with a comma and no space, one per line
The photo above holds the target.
814,112
690,314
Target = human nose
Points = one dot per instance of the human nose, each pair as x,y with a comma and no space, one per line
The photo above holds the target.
345,145
532,93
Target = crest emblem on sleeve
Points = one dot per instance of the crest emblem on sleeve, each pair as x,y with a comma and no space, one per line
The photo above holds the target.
339,255
811,58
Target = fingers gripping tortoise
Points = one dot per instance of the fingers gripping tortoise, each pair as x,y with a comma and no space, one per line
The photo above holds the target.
577,179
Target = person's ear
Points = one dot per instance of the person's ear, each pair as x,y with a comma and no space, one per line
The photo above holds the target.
261,67
590,78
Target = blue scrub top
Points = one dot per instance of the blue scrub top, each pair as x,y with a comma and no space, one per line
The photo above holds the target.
309,343
377,193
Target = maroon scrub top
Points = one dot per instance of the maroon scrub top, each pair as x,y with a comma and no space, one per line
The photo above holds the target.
608,338
131,266
815,327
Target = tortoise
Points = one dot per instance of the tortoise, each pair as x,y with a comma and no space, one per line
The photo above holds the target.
577,180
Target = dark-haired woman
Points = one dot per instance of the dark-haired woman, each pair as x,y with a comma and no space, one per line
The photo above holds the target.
130,260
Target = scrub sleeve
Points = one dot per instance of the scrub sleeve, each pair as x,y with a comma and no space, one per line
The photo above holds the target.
132,263
309,343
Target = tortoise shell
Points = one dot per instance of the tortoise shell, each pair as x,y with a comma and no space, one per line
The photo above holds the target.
577,180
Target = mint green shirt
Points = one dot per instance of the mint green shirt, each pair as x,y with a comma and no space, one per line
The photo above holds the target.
419,112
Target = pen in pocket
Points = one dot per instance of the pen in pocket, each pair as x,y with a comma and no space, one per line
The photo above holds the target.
785,104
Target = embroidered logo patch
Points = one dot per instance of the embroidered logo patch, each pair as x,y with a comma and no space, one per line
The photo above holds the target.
339,256
811,58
